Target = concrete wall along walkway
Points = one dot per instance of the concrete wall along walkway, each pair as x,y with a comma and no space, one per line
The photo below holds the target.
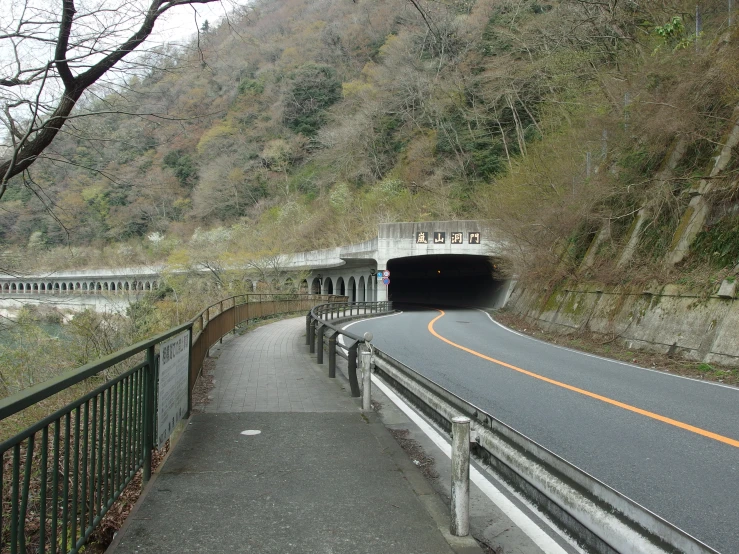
319,477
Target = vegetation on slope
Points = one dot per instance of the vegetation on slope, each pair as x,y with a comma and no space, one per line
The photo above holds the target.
303,124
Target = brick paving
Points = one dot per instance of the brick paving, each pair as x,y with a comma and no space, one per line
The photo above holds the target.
269,369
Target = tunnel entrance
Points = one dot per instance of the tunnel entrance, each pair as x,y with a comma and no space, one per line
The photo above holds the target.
447,279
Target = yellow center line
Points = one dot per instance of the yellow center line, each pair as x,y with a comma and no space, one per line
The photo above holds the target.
669,421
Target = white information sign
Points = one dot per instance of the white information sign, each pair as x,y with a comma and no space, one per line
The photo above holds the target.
172,394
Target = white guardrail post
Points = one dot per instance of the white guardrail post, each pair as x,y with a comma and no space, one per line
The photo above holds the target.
367,373
460,526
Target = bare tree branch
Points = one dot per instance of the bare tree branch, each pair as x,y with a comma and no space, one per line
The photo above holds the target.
87,46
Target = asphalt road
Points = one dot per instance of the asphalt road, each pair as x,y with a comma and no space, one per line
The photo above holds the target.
673,468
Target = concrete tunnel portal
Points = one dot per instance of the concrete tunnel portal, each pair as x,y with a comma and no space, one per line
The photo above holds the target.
447,279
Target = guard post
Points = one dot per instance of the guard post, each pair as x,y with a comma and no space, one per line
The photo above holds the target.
460,525
367,373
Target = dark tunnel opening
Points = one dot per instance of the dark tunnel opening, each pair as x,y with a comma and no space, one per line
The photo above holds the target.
447,279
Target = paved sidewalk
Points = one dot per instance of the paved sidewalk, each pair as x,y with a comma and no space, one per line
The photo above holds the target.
270,370
319,477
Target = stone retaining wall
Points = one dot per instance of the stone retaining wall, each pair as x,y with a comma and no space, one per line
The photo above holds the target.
666,320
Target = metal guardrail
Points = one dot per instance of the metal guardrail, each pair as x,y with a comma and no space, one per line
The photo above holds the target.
324,318
601,518
60,476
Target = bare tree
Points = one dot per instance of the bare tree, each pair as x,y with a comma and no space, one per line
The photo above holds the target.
50,55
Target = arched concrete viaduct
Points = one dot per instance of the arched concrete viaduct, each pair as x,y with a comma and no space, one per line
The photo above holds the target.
102,281
454,262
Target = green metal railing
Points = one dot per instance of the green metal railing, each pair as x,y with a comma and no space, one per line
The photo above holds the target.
61,475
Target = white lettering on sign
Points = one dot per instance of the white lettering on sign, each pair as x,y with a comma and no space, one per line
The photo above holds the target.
172,391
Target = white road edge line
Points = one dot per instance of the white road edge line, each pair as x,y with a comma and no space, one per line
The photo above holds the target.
627,364
341,337
525,523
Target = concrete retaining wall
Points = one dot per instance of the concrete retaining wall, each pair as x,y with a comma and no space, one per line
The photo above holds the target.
666,320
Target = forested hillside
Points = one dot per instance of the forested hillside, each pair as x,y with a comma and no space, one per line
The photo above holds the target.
301,124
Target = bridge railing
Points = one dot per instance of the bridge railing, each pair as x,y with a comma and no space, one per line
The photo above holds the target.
322,324
61,475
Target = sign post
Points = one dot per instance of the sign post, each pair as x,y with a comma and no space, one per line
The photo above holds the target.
172,392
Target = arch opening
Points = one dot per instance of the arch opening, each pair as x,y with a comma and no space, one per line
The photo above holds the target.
340,286
448,279
361,290
328,286
352,289
315,287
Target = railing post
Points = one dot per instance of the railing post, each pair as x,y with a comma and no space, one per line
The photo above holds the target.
190,383
319,343
307,328
367,373
332,355
149,411
313,336
352,359
460,525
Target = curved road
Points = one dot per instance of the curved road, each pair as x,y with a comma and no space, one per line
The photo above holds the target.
669,443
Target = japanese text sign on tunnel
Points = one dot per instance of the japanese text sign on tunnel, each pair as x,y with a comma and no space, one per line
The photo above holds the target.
172,393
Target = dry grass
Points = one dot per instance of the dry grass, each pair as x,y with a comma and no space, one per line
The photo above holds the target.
119,511
416,453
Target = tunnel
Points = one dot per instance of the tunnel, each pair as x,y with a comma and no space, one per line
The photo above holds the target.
450,279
